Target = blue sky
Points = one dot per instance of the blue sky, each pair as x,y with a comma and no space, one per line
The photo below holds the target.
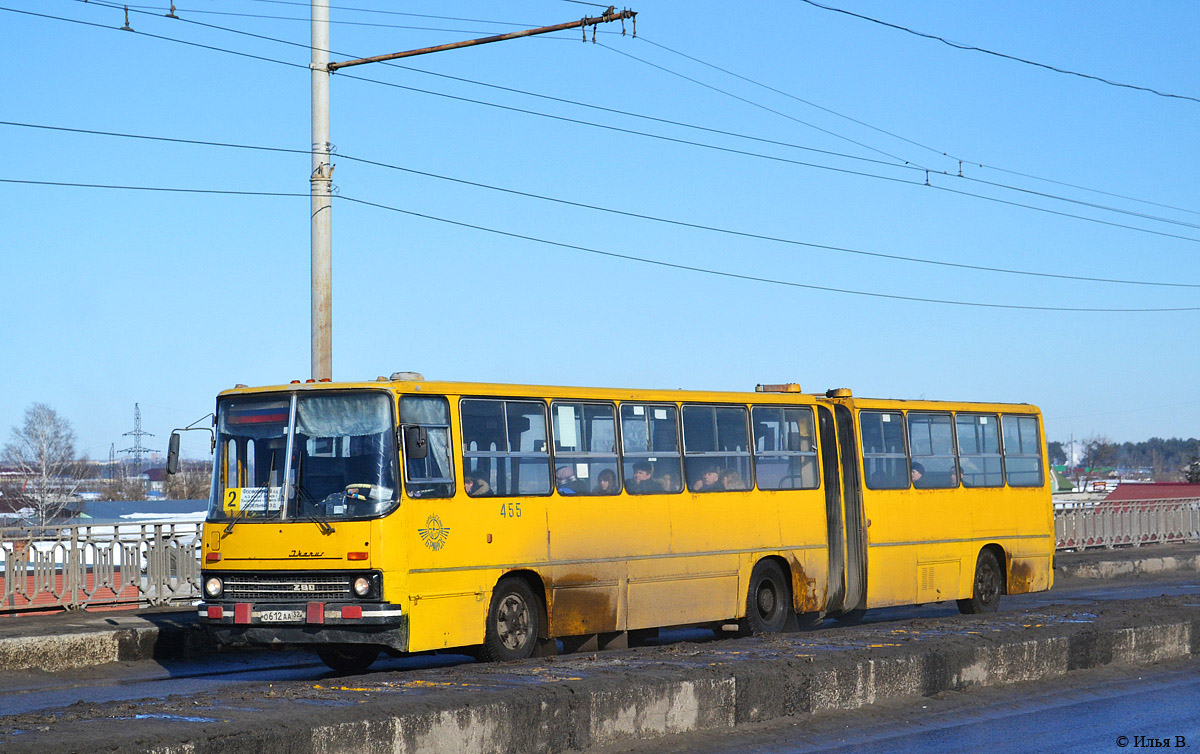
117,297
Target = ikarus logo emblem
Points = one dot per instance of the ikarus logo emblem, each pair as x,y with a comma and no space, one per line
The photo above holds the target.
434,534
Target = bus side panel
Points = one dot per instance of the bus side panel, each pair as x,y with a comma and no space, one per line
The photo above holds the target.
458,548
719,531
597,582
682,590
803,535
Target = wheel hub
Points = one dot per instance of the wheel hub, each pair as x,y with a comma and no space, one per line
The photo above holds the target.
513,622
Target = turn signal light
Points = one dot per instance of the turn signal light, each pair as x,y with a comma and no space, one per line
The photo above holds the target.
216,613
351,611
212,557
356,556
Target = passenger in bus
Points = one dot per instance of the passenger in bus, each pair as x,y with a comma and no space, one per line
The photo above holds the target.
641,483
476,487
606,483
709,481
918,471
568,483
732,480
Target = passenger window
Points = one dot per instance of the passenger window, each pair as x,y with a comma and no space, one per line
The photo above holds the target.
1022,451
585,449
433,475
504,448
884,459
716,448
650,449
785,451
931,445
979,450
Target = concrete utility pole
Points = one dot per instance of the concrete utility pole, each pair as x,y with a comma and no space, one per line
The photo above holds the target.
321,185
321,179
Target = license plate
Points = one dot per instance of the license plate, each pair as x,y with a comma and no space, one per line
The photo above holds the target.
281,616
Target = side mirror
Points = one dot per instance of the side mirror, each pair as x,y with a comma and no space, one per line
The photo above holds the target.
173,454
416,443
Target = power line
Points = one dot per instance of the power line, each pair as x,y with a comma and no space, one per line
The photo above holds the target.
1014,58
939,152
615,255
610,210
395,12
615,128
344,22
752,103
547,97
728,72
754,278
969,178
165,189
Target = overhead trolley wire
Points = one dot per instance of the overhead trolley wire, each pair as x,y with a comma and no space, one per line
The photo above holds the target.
370,24
598,125
752,103
939,152
1006,56
615,255
610,210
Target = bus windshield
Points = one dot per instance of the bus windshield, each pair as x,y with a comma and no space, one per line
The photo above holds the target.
343,457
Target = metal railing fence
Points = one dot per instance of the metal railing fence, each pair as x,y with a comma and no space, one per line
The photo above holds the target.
70,567
1078,526
152,564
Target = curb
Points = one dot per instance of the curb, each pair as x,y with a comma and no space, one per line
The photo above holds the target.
69,641
585,701
177,634
1107,569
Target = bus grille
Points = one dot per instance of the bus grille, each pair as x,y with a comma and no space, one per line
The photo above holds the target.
287,588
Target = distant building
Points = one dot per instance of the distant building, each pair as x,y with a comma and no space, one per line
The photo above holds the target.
1127,491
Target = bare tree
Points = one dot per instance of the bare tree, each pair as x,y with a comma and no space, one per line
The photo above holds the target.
43,449
191,483
1099,453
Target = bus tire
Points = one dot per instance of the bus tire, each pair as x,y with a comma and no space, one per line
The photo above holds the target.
986,588
348,658
512,622
768,600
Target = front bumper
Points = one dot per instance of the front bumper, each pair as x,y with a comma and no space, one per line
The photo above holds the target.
297,623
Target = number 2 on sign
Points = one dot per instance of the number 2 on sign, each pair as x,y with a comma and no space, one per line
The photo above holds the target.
510,509
233,500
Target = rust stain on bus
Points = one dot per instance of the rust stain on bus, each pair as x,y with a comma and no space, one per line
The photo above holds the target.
576,608
1020,577
804,593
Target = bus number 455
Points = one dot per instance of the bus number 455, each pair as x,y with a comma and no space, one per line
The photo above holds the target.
510,510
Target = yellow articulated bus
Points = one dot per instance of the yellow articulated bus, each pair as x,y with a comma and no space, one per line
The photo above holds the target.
404,516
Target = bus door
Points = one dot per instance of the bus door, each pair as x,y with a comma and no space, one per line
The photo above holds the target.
852,508
836,533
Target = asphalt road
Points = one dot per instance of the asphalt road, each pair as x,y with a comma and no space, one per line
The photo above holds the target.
29,692
1103,710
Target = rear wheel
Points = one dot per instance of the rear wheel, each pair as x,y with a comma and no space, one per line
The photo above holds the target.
987,587
768,601
349,658
512,623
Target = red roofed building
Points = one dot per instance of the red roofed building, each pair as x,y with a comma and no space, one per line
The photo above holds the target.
1154,491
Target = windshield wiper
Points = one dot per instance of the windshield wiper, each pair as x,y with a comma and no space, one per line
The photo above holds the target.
304,496
266,502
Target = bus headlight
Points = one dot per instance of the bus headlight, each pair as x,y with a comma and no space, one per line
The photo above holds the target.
213,587
362,586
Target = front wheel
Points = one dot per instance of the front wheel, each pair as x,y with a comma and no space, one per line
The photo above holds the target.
986,588
348,658
512,623
768,601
